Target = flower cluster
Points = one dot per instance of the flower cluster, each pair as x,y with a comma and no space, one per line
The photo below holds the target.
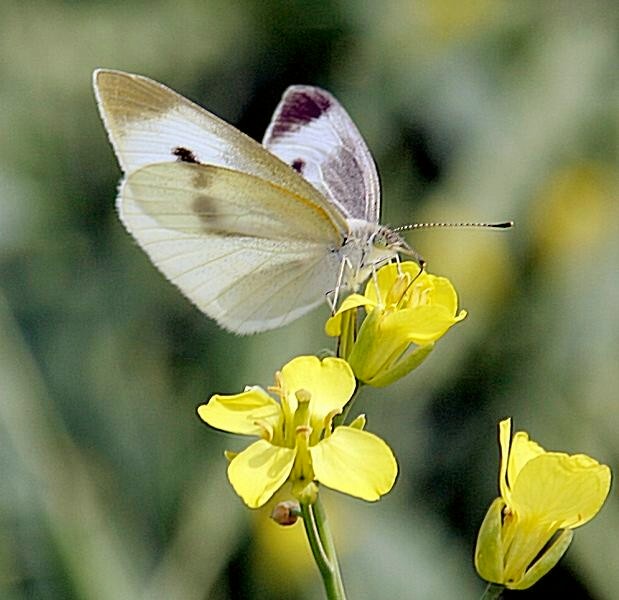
304,440
300,440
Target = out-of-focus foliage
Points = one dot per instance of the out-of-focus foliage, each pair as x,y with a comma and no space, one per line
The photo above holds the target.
485,110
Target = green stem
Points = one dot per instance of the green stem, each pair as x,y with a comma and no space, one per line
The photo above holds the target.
323,549
494,591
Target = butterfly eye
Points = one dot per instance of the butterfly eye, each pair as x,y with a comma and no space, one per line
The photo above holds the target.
380,239
387,239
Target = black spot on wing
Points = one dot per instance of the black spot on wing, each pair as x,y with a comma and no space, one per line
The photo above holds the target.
298,165
300,107
185,155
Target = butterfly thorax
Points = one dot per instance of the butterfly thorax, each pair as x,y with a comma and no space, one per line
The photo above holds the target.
367,246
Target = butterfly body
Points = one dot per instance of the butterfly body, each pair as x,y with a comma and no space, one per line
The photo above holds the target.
255,235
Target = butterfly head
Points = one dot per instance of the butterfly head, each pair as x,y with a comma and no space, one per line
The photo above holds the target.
389,243
388,240
368,247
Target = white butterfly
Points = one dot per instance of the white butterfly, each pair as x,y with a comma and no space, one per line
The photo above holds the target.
255,235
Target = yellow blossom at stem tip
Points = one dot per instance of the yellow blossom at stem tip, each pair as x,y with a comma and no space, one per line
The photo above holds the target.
408,310
544,496
297,440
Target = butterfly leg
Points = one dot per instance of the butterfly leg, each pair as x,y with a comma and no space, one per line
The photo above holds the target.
375,282
398,263
333,295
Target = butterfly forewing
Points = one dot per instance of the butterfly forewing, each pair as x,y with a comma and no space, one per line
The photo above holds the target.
312,132
150,123
248,253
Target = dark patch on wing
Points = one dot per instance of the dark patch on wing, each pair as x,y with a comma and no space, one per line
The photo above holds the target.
298,165
208,210
343,177
204,208
185,155
300,107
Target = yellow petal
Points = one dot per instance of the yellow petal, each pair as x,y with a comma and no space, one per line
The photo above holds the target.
420,325
259,471
505,432
239,413
441,292
330,383
355,462
386,278
521,452
524,537
333,326
561,489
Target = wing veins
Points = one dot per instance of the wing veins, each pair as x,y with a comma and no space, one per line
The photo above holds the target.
261,304
269,252
196,251
280,289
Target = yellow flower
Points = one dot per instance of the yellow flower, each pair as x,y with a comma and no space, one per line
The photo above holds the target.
408,312
544,496
298,442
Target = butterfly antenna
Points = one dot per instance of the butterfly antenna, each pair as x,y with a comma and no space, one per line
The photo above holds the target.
412,226
419,259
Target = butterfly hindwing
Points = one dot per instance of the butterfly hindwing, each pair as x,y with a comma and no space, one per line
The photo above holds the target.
311,131
248,253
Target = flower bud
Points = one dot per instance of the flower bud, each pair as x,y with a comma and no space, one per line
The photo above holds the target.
286,513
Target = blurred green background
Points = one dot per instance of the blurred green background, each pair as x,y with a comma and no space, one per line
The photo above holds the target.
481,110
